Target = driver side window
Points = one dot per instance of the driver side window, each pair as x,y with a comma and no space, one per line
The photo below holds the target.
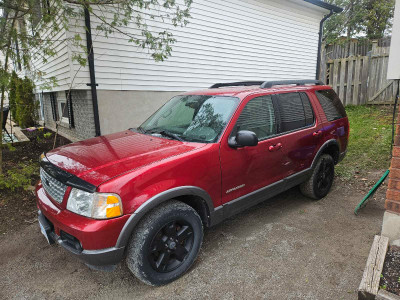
258,116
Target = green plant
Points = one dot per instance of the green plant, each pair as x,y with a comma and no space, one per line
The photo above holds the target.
369,141
47,135
12,94
18,177
10,147
26,106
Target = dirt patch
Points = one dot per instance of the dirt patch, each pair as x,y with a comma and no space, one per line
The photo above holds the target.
287,247
390,278
18,208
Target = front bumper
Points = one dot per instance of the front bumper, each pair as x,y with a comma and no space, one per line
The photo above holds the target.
102,257
92,241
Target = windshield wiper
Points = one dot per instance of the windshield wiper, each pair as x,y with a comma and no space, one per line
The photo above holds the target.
170,135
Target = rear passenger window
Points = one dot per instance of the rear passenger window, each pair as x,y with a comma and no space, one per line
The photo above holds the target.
331,104
295,111
258,116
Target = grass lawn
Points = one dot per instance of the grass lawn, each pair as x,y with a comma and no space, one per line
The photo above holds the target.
369,141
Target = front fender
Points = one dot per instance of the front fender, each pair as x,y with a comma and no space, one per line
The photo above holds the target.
156,200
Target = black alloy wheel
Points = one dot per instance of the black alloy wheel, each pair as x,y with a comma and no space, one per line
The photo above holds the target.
325,176
170,246
165,243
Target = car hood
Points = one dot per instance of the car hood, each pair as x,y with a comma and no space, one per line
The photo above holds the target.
99,159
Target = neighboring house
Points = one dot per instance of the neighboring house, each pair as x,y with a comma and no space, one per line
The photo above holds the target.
225,41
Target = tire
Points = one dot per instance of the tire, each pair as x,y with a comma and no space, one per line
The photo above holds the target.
165,244
321,179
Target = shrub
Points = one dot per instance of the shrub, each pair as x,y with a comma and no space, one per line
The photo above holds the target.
12,94
26,106
18,177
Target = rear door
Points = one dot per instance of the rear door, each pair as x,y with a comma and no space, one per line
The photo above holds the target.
299,130
337,125
247,169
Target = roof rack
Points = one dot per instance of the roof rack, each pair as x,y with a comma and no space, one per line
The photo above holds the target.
267,84
239,83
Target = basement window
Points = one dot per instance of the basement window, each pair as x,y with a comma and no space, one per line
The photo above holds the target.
63,111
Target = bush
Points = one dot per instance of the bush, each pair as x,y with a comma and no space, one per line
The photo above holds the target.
23,107
26,106
18,177
12,94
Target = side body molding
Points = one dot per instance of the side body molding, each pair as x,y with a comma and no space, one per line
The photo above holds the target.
158,199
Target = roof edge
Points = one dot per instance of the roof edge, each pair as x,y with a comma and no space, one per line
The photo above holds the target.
325,5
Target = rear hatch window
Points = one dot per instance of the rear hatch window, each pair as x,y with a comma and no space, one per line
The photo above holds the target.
331,104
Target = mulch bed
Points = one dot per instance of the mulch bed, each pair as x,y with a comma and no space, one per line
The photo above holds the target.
18,208
390,278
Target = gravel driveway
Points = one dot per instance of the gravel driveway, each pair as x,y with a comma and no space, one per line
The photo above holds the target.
285,248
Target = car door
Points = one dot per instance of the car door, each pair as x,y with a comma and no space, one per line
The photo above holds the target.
248,169
299,129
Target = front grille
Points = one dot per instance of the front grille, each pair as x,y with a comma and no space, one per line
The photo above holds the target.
52,186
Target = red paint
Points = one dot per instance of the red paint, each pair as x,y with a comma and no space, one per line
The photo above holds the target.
138,166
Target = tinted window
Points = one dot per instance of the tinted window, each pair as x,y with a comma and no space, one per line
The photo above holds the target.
258,116
331,104
308,111
295,111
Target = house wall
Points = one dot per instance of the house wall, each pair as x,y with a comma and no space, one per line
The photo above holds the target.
227,40
224,41
43,68
83,115
391,218
136,106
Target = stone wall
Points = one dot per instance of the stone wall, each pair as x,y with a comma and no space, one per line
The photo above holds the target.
83,115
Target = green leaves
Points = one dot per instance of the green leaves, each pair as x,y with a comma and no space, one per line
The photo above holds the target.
370,18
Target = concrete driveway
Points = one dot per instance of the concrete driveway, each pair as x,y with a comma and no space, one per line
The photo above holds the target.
285,248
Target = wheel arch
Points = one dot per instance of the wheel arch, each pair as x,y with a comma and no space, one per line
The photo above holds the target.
193,196
330,147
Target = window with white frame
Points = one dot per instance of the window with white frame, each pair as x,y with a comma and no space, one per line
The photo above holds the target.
63,111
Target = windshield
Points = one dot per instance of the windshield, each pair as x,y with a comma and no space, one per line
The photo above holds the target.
196,118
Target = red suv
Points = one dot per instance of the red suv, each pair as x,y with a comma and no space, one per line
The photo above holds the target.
146,194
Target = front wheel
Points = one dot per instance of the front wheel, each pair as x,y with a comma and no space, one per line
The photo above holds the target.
320,182
165,244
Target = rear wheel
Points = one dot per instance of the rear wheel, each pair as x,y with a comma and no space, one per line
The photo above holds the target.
165,244
321,180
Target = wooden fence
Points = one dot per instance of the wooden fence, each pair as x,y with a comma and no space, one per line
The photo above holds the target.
361,79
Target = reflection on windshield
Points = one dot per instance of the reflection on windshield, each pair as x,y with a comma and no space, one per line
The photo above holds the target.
197,118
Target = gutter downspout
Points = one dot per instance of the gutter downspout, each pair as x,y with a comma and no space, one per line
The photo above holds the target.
321,29
92,84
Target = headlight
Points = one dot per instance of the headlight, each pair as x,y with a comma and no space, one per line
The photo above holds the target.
94,205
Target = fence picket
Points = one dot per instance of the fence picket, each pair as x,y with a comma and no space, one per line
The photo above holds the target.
349,83
342,78
356,81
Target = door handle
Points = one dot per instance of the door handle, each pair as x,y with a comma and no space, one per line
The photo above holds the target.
317,133
275,147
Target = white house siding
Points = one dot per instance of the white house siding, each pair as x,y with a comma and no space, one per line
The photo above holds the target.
58,66
225,41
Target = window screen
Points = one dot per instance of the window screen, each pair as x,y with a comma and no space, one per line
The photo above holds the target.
331,104
292,111
258,116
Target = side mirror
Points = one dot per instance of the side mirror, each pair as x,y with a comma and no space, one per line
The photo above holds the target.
242,139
